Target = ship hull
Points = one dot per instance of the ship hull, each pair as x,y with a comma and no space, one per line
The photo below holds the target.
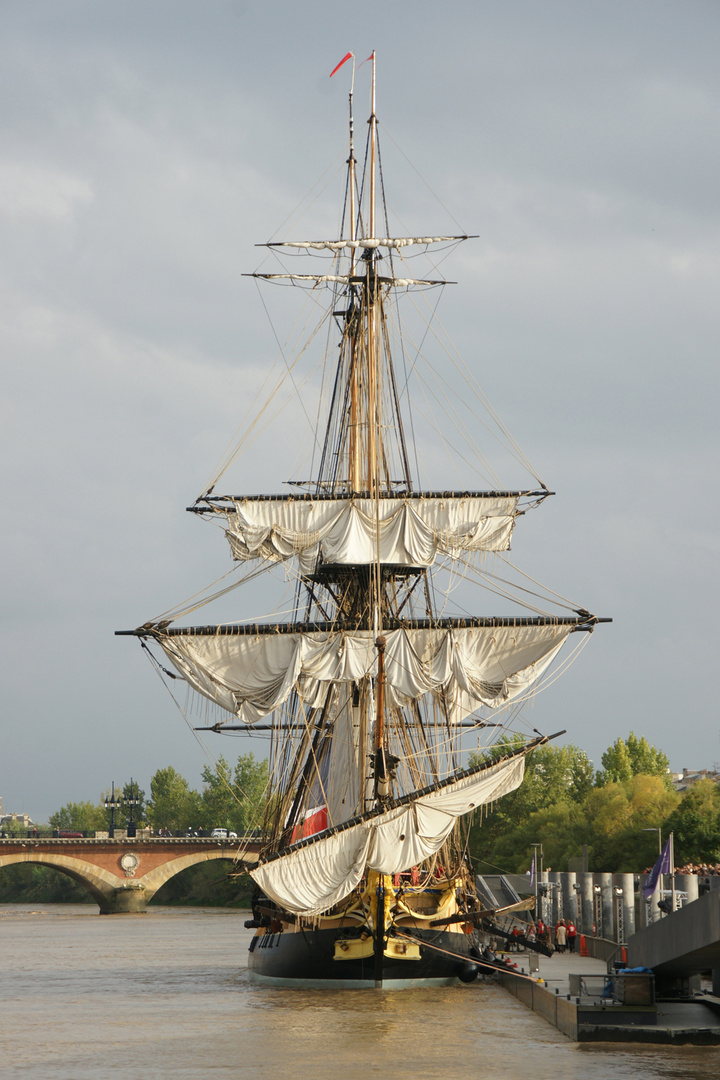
308,958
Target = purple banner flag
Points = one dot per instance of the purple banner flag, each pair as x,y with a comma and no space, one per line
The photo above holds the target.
662,866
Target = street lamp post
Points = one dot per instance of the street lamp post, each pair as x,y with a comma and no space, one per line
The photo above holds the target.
597,911
578,908
132,802
112,804
619,914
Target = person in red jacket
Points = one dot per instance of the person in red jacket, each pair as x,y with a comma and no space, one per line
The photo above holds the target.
571,935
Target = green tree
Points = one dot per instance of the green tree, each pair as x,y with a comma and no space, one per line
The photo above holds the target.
251,784
551,773
554,776
219,800
235,798
695,823
173,804
561,831
623,760
84,817
609,820
616,815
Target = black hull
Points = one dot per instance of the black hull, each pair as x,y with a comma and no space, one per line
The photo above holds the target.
308,959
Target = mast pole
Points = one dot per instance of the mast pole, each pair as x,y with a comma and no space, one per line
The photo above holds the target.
354,457
351,171
371,298
381,780
372,151
373,368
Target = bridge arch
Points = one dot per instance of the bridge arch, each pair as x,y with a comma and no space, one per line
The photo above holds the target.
83,875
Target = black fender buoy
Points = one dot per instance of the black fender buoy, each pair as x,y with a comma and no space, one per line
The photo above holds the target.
468,972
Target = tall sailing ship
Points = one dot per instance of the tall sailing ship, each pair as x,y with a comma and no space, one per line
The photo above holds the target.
369,692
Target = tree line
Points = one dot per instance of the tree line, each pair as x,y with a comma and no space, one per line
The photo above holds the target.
565,805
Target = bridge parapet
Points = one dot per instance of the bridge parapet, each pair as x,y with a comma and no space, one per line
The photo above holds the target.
212,841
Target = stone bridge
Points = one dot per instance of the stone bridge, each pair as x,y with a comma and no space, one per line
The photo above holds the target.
123,875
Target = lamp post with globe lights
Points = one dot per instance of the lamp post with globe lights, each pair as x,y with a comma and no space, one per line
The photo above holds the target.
112,804
132,802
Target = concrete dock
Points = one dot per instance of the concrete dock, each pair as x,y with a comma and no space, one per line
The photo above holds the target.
577,995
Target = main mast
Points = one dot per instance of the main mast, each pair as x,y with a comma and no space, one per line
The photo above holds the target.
365,414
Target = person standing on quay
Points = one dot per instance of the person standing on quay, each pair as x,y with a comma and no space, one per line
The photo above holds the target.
571,935
560,936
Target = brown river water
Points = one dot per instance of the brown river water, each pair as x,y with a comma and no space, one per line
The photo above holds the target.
166,996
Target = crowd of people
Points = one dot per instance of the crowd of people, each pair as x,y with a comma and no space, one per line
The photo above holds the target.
701,869
563,936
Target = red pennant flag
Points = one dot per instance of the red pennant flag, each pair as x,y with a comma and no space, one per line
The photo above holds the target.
343,61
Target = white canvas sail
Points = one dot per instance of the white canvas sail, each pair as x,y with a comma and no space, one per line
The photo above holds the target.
346,279
252,674
365,244
411,532
314,878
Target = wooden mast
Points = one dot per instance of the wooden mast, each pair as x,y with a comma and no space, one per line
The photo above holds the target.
373,467
353,449
381,777
374,372
371,301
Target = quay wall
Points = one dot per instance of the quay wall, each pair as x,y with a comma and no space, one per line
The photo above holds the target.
558,1011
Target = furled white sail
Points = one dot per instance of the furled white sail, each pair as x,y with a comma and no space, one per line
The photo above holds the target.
252,674
368,243
343,531
344,279
314,878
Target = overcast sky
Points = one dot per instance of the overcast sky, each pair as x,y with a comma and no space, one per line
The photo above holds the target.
147,146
